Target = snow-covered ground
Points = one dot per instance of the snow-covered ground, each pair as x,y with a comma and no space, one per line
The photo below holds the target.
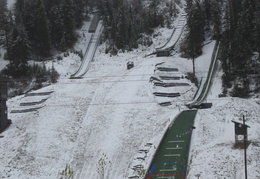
110,111
111,114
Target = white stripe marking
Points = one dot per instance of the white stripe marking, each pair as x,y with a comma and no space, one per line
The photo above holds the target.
172,155
176,148
176,141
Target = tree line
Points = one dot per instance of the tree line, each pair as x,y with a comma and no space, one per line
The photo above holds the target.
241,38
127,21
203,21
236,23
37,28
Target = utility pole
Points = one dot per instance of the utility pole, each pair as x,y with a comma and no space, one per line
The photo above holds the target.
245,146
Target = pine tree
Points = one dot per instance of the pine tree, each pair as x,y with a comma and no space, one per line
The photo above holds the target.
27,16
8,28
154,14
189,4
56,26
257,24
19,51
244,35
216,19
3,13
68,21
121,28
41,31
3,21
195,36
79,7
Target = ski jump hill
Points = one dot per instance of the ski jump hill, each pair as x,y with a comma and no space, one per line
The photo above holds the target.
205,85
176,34
93,38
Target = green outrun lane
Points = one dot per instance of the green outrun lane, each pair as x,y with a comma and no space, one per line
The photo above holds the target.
170,160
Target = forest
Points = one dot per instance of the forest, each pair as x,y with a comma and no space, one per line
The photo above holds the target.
236,25
39,29
36,29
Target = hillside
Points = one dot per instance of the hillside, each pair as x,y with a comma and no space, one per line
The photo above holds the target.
111,114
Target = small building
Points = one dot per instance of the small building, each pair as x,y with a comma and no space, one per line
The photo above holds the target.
163,53
240,132
4,121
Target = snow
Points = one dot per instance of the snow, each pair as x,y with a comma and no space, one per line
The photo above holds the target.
112,112
10,4
3,62
173,39
212,148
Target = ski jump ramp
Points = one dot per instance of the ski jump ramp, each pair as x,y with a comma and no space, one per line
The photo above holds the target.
93,41
205,86
176,34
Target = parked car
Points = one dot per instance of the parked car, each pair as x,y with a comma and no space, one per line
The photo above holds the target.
130,65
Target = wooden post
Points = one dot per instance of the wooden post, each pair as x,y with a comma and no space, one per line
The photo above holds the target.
245,145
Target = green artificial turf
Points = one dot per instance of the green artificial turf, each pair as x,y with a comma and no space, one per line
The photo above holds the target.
172,155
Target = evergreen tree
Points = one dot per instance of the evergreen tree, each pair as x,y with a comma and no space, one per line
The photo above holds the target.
207,8
19,7
257,24
155,17
216,19
195,36
244,35
41,31
79,7
9,25
56,26
189,4
68,22
3,13
19,51
3,21
121,40
27,17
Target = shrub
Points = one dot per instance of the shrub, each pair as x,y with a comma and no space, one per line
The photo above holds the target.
192,78
240,92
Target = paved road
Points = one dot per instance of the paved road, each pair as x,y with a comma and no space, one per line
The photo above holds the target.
170,161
